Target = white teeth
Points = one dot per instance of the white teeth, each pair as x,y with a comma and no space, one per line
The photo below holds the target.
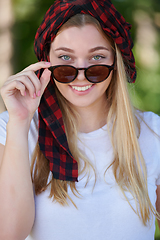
81,89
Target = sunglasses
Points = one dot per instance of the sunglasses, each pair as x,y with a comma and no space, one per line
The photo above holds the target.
68,73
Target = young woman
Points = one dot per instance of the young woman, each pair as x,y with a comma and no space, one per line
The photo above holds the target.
86,164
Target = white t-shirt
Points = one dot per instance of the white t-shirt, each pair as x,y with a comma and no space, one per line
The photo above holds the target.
102,212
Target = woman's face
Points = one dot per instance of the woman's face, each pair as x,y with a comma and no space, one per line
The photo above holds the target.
82,47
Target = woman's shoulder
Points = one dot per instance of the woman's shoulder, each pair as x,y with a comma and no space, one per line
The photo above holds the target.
4,117
149,119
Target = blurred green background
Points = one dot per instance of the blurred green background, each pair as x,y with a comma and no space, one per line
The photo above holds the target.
144,15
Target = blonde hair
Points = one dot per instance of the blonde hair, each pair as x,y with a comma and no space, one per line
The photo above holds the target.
128,165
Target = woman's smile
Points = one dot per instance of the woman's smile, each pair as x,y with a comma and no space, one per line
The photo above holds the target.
81,89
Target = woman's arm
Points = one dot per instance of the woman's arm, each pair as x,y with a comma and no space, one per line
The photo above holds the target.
16,193
21,94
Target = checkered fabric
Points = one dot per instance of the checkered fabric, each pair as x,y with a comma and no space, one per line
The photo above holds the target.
52,137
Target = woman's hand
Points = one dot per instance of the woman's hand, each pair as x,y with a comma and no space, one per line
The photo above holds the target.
22,92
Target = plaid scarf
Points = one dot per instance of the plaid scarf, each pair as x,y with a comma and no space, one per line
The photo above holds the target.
52,137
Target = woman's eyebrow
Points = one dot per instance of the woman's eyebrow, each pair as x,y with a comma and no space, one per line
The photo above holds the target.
98,48
64,49
90,51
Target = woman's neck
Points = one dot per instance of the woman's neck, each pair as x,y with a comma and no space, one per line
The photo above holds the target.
92,117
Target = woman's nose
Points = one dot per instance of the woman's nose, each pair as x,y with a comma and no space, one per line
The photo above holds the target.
81,66
81,74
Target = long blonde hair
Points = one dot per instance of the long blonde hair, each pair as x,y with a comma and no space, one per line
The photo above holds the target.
128,165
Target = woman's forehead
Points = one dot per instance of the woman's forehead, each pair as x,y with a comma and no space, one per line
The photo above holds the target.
87,35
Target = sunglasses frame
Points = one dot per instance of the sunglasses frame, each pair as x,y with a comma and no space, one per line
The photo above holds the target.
85,70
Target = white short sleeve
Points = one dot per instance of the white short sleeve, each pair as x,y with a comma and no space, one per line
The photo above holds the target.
153,121
4,117
32,135
156,124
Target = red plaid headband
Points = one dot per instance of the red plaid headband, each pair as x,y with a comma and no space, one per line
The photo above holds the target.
112,23
52,137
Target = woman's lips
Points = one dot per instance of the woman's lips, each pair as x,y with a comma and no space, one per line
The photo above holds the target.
81,90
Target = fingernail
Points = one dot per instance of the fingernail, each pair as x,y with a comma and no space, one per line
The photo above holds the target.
25,93
39,94
47,63
34,95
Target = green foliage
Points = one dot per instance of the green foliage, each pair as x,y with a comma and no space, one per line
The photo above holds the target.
157,232
28,16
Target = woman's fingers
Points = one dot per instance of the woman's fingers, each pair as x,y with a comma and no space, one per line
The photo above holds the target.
37,66
27,82
44,79
31,81
22,92
12,87
28,78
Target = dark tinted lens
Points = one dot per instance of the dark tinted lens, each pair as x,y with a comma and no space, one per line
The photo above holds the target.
97,74
64,74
